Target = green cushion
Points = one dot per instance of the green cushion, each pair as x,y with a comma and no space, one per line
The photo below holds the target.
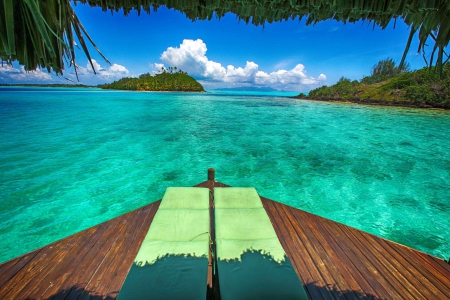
244,224
251,262
240,216
172,261
182,221
179,225
185,197
236,197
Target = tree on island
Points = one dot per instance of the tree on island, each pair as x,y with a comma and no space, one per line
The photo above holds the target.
385,69
164,81
391,84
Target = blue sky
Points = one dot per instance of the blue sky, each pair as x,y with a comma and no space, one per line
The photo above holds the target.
224,53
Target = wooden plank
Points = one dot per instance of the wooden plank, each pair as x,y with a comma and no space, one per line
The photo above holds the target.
98,251
361,273
339,259
436,278
444,266
13,287
44,281
123,261
394,273
87,260
55,281
440,265
293,254
321,258
360,264
111,289
65,281
371,260
405,272
314,283
104,266
87,238
412,268
212,279
9,269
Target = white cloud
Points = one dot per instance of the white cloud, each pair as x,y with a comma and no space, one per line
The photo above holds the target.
322,77
17,74
114,71
191,57
102,75
156,68
295,76
10,74
244,75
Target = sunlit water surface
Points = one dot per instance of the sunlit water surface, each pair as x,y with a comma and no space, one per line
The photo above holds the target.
70,159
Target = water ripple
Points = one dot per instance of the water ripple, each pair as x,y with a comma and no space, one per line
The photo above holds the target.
70,159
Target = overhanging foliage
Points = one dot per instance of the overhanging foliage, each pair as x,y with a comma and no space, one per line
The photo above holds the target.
42,33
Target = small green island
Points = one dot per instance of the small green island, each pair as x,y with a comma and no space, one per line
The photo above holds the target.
390,85
168,81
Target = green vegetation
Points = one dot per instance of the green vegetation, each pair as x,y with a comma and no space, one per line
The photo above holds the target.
391,85
385,69
43,33
165,81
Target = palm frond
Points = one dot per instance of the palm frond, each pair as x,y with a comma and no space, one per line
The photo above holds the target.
40,34
33,31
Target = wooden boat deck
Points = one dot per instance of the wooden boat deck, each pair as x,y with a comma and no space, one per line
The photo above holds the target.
334,261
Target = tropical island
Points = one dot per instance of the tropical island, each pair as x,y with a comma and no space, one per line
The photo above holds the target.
390,85
168,80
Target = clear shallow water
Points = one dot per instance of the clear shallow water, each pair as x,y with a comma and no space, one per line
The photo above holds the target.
70,159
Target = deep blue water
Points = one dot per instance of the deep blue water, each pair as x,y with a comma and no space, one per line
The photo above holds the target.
72,158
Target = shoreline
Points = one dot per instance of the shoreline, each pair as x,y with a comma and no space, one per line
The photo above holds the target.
386,103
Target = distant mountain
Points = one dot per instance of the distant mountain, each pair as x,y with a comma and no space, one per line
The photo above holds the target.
250,89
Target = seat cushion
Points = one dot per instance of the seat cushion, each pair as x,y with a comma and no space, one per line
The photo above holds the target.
251,262
172,261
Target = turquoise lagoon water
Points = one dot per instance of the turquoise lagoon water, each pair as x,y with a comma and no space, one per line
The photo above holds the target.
70,159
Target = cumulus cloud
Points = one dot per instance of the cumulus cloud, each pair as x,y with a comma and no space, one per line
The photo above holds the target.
13,74
102,75
191,57
156,68
10,74
114,71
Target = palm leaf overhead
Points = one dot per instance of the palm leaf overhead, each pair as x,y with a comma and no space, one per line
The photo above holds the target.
42,33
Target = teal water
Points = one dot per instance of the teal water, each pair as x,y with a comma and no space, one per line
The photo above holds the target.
70,159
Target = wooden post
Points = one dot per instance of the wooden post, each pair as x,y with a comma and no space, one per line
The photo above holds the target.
211,174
